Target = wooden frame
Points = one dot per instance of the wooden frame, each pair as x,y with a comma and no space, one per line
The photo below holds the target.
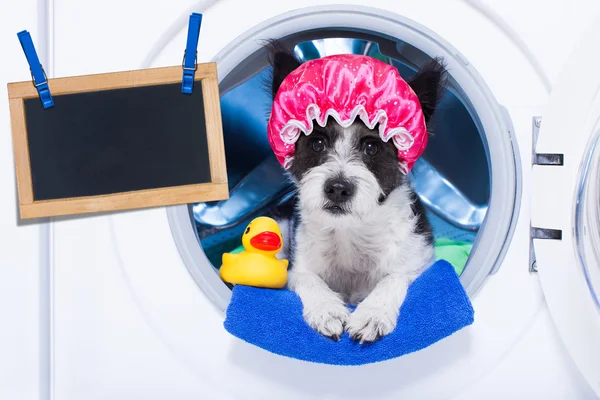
217,189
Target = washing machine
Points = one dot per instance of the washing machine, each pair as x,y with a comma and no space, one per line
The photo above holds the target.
136,307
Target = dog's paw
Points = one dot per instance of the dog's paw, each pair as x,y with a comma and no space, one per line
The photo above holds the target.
327,318
367,324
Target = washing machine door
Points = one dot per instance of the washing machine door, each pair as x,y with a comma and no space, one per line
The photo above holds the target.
566,205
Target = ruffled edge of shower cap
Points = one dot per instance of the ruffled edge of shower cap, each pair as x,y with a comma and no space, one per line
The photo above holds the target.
345,87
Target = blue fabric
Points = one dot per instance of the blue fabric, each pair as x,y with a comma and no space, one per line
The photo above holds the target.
436,306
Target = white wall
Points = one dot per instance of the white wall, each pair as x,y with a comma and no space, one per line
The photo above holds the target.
19,242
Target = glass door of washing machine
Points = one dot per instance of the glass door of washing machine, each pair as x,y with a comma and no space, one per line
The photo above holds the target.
565,208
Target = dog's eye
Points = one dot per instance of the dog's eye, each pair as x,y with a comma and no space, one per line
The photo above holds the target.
371,149
318,144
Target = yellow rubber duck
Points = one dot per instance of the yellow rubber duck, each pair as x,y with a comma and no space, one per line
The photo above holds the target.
257,265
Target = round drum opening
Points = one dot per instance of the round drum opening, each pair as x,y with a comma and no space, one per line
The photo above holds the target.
468,178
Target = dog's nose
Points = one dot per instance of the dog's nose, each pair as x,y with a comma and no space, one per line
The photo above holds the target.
339,190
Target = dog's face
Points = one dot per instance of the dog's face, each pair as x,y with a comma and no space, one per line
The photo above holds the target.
344,173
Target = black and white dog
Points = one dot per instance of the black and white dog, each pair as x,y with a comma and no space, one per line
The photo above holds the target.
361,235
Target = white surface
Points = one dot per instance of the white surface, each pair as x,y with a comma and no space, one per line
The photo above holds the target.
19,245
572,118
537,367
130,322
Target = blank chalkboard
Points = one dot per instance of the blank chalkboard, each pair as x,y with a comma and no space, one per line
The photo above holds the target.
118,141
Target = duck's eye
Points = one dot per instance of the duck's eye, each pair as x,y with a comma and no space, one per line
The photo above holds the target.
371,148
318,144
247,230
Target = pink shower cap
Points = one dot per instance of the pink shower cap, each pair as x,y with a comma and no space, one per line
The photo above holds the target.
345,87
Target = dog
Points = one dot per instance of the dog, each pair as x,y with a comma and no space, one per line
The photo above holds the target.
356,232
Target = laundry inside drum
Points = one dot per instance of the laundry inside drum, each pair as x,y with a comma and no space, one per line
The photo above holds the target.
452,178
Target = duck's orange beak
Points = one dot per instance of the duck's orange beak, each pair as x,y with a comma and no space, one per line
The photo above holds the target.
266,241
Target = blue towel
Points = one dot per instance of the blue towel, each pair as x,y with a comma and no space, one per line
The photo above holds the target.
436,306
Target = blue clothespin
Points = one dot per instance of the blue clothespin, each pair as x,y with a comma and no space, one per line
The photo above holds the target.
38,75
191,53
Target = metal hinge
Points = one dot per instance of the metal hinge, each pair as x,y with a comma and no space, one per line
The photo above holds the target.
540,233
541,159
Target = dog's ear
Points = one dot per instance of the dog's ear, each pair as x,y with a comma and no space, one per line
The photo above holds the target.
283,61
429,84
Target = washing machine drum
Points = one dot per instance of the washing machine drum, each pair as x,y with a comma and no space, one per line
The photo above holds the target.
258,183
455,189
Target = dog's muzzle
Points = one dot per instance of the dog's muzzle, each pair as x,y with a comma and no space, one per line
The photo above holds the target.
338,192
